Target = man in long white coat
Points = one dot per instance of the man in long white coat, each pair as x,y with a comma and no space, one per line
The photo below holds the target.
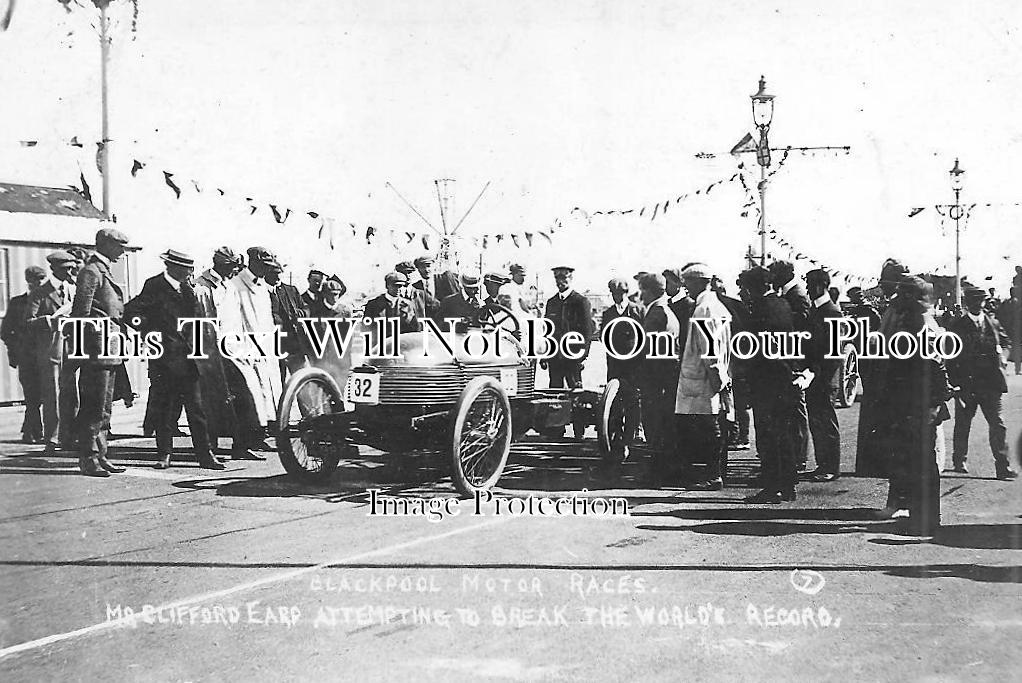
246,310
703,383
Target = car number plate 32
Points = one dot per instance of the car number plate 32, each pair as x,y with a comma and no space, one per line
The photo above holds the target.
363,387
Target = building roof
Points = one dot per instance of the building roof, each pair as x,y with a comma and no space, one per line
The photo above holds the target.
46,200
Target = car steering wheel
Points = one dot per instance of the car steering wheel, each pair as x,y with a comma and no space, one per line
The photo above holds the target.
492,316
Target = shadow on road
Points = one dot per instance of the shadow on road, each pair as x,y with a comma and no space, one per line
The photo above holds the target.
976,536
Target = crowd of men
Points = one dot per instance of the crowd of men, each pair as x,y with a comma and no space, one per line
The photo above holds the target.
689,407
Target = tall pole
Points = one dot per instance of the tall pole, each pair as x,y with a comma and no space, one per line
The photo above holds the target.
104,150
762,215
958,254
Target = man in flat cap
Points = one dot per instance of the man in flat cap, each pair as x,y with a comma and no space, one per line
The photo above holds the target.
315,279
391,304
212,292
58,387
775,388
569,311
98,295
20,355
253,376
287,309
438,286
173,377
703,398
622,339
679,301
823,425
465,303
978,371
414,291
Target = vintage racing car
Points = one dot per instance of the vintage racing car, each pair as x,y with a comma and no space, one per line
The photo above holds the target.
470,406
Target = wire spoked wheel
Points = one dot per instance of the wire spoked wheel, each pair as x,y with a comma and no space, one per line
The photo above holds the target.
848,378
480,436
306,444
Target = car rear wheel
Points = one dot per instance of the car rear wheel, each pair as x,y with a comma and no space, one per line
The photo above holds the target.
848,378
308,444
480,436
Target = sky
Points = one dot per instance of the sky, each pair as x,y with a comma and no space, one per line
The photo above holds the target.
319,104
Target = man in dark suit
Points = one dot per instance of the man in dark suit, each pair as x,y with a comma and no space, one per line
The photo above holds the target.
622,338
822,416
311,295
775,388
391,304
680,303
438,286
658,377
978,372
98,295
792,291
569,312
58,387
173,377
287,307
738,431
465,303
15,335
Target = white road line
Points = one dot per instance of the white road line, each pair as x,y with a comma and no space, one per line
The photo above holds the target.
241,587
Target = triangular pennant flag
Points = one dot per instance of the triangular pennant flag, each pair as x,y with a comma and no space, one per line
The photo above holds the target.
410,236
710,188
196,186
916,210
277,215
528,238
220,191
500,236
425,242
514,238
656,207
370,231
136,166
746,144
666,204
28,143
486,239
74,142
86,192
312,214
642,210
546,237
168,178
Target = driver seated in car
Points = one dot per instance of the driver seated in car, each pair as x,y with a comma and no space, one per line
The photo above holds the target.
391,304
463,304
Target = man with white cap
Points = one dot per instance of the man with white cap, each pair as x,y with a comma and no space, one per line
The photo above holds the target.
98,295
704,382
173,377
57,385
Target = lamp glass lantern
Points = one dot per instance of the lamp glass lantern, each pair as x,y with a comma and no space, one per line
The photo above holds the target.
762,105
956,175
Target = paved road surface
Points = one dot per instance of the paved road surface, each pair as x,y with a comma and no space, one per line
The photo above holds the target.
192,575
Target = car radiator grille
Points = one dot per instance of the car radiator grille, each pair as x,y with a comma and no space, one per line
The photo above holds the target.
424,386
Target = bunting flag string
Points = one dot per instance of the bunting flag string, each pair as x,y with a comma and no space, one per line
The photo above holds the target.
659,209
793,254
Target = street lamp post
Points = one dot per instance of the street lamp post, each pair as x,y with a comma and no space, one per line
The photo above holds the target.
956,174
762,115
